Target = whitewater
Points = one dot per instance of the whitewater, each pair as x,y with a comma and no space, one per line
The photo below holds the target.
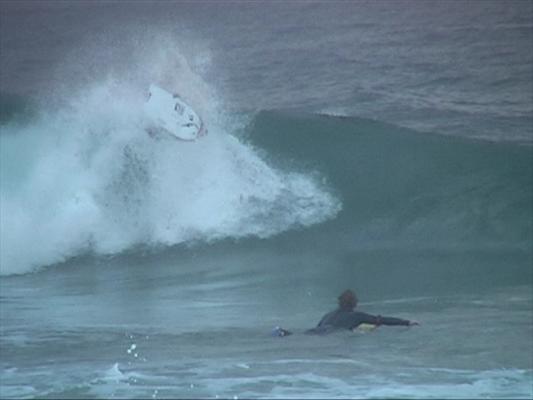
95,182
384,147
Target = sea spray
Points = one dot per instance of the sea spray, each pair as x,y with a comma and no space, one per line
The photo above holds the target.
88,178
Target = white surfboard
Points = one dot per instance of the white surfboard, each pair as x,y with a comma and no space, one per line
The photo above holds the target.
168,113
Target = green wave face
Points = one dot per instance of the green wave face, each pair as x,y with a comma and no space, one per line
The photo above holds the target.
408,187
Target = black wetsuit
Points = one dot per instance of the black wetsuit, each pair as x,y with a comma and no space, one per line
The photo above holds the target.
350,319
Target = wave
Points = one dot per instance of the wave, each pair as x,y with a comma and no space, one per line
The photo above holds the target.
403,188
88,179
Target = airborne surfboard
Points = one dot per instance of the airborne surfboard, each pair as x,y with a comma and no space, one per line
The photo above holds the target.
168,113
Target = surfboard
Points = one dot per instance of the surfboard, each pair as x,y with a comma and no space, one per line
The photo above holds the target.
169,113
364,327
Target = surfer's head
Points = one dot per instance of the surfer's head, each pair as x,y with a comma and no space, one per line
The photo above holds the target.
347,300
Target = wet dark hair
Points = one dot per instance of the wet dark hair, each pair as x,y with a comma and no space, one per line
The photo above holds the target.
347,300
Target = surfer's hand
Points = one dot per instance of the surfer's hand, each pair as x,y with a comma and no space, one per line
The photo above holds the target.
413,323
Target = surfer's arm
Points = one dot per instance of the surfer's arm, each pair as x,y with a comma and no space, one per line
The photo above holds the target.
364,318
393,321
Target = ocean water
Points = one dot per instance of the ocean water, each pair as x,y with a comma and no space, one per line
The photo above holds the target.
381,146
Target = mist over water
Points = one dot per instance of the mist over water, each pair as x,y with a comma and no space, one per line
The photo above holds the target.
378,146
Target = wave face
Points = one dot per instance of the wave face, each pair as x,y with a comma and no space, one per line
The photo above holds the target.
88,179
401,188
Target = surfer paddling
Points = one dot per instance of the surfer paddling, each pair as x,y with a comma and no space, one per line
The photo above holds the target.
345,317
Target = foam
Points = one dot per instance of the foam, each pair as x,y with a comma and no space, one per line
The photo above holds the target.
482,384
87,178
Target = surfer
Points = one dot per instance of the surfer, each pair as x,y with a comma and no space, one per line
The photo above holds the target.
345,317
